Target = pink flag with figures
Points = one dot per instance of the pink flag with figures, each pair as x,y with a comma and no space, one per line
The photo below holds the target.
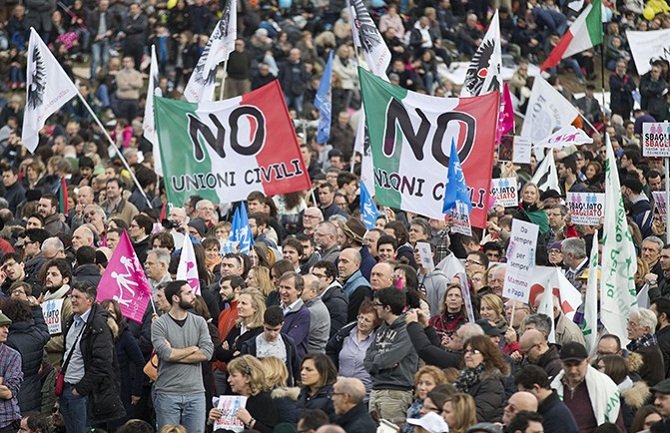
124,281
188,266
506,114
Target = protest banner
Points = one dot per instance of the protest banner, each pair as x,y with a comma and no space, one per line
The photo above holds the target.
505,191
520,260
222,151
659,202
656,140
410,137
586,208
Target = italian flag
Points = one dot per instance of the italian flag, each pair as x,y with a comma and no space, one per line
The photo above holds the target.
585,33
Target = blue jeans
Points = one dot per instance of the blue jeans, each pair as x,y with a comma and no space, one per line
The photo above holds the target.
294,102
188,410
73,409
100,56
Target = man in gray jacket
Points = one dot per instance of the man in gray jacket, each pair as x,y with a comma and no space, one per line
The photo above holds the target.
319,317
391,359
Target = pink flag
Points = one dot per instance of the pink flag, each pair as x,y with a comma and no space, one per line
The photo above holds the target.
506,114
125,282
188,266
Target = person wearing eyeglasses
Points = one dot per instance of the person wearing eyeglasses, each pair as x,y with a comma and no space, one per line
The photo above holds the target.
537,350
476,261
482,378
348,395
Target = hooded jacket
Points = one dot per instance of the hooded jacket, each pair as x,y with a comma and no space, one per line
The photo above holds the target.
435,283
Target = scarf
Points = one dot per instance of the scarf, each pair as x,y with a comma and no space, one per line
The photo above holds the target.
468,377
58,294
603,393
647,340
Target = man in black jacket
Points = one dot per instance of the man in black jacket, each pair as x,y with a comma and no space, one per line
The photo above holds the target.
331,294
353,417
91,392
661,307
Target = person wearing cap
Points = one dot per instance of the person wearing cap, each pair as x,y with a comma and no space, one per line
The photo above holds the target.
485,427
641,326
352,415
662,399
591,396
556,416
12,377
555,254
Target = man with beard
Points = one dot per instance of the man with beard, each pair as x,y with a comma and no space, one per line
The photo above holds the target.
182,342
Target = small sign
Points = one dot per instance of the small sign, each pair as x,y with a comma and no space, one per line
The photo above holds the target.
460,219
51,310
656,140
659,202
425,255
522,150
520,261
229,405
505,192
586,208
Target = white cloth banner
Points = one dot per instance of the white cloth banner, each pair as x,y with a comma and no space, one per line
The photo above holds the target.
646,46
547,111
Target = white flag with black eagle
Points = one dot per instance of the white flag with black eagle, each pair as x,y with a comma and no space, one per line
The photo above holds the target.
483,74
546,175
48,88
368,39
148,122
221,43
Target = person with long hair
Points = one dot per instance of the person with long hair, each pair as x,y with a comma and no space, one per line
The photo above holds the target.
644,418
482,377
129,355
426,379
633,393
492,309
250,311
317,376
459,412
284,397
246,377
452,311
259,278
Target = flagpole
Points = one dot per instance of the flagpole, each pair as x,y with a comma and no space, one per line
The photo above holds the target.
223,80
603,31
118,151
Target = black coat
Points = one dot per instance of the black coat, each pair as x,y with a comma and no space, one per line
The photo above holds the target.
131,363
337,303
357,420
28,338
663,338
322,400
87,272
236,343
489,395
557,418
428,346
101,378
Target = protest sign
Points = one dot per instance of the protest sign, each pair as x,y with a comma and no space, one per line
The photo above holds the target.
520,260
659,202
586,208
656,140
229,405
51,310
522,150
505,191
426,255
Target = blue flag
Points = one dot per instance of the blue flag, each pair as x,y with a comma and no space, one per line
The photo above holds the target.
240,231
369,211
323,102
455,190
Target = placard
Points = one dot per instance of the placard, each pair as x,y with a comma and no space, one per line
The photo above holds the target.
229,405
460,219
656,139
51,310
520,261
586,208
659,202
505,192
425,255
522,150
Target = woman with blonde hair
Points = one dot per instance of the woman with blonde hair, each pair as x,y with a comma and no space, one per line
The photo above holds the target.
259,278
459,412
250,311
246,377
426,379
276,378
492,309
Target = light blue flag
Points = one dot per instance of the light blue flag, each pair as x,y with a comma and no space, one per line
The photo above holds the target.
369,210
455,190
323,102
240,231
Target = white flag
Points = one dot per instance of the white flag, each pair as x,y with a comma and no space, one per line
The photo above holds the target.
48,88
200,86
148,121
224,44
619,263
566,136
590,325
546,175
362,145
483,74
188,265
646,46
547,307
547,111
368,39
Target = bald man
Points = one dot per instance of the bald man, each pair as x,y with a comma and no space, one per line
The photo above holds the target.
381,276
354,284
522,400
353,416
534,345
82,237
319,317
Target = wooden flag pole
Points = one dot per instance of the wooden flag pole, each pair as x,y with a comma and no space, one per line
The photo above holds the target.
223,80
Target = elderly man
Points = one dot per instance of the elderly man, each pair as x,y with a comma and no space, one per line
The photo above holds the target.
82,237
496,279
591,396
574,257
565,329
641,327
319,317
325,237
651,255
354,284
156,266
537,350
348,396
311,217
521,400
205,209
381,276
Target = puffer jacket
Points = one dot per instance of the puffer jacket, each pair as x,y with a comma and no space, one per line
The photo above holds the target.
28,338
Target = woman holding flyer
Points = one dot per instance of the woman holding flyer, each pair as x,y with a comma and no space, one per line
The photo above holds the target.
247,379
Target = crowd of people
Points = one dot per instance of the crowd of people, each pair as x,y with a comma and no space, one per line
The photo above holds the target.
324,325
